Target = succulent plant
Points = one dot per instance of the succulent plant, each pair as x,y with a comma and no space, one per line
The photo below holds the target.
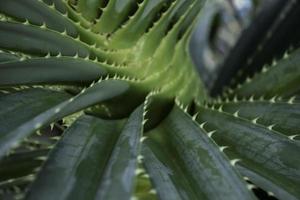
137,120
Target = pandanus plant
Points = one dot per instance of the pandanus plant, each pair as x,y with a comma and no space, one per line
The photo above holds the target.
137,121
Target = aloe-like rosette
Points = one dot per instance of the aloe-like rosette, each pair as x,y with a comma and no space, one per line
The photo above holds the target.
137,120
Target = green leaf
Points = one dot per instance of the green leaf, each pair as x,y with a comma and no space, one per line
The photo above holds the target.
39,41
156,33
118,179
50,70
113,15
20,164
6,57
92,161
37,13
282,116
137,24
184,163
265,184
100,91
50,14
262,150
90,9
19,107
282,79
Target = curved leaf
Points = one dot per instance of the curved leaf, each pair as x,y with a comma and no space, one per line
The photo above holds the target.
282,79
50,70
18,107
92,161
20,164
38,13
101,91
262,150
282,116
38,41
184,163
265,184
114,14
90,9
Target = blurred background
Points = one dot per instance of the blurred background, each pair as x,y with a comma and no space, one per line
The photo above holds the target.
238,37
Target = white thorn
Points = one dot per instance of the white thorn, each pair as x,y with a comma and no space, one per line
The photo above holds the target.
140,158
248,80
42,158
55,138
250,186
145,121
51,126
185,109
235,99
291,100
38,132
152,191
26,22
234,161
264,69
202,125
143,139
236,114
251,99
223,148
220,108
195,116
271,127
292,137
48,55
71,99
254,121
37,125
145,175
211,133
139,171
273,100
271,194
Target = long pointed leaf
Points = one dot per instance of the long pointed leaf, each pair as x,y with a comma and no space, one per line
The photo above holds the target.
50,70
283,116
118,180
190,165
38,13
19,107
93,161
99,92
20,164
281,79
262,150
35,40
